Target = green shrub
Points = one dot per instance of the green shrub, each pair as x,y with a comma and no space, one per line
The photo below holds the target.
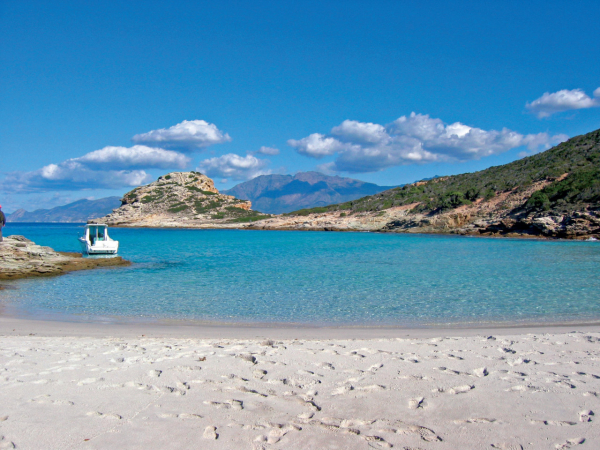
176,209
538,200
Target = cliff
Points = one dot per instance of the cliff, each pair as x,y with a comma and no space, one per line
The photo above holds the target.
552,194
180,199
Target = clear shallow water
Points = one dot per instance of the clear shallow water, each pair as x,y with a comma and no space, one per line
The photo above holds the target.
316,278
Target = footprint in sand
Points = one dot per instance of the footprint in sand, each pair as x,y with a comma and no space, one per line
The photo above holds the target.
227,404
210,432
417,403
104,415
326,365
558,423
5,443
342,390
259,374
586,416
481,372
179,416
426,434
505,446
476,420
570,443
461,389
377,442
45,399
247,357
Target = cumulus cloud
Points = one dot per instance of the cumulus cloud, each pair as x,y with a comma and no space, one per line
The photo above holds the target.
188,135
414,139
71,176
564,100
234,167
360,132
268,151
109,167
138,156
316,145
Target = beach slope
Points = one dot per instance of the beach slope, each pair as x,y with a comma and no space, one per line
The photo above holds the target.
530,391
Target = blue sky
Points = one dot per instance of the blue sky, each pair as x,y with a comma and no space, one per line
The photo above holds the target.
330,85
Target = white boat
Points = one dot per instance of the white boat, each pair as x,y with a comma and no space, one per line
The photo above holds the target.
95,241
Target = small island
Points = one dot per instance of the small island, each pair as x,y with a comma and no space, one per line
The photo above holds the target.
22,258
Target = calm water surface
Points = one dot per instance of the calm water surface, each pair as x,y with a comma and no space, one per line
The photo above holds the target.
316,278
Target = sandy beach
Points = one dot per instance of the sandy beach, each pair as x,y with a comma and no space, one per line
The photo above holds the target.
97,386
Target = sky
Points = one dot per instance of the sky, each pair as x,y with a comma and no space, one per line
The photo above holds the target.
98,97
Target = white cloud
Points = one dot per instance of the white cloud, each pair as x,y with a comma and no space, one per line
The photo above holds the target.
188,135
359,132
232,166
316,145
138,156
414,139
71,176
109,167
539,142
268,151
564,100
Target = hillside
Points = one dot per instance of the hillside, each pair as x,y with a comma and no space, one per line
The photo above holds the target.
555,194
276,194
180,199
79,211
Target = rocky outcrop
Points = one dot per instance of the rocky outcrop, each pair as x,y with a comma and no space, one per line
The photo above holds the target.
180,199
22,258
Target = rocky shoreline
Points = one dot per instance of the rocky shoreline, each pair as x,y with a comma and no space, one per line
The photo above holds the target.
22,258
502,216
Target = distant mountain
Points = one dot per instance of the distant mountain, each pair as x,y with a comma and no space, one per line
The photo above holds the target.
79,211
277,194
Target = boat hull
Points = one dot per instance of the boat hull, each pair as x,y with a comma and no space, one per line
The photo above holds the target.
99,248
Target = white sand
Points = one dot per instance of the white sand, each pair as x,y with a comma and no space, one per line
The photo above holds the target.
68,387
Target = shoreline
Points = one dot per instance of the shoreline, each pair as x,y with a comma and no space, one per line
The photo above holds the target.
18,326
250,227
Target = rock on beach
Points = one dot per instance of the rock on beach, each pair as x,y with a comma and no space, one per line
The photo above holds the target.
22,258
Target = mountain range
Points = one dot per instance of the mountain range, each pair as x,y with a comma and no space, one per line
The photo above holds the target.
277,194
79,211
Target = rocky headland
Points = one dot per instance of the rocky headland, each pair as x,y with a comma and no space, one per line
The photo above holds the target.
503,215
180,199
22,258
554,194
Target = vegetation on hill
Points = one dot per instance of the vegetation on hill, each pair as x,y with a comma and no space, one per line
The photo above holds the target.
577,159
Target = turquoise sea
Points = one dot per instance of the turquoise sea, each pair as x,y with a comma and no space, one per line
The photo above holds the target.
317,278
